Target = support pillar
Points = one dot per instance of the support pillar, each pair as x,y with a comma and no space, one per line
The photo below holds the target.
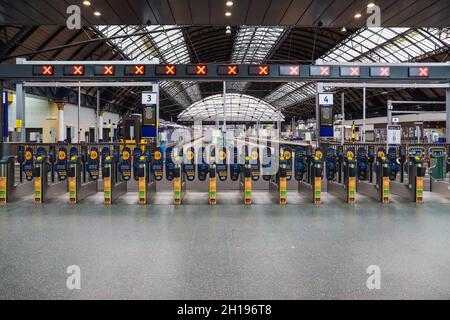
447,109
100,126
364,114
343,118
2,113
61,127
20,112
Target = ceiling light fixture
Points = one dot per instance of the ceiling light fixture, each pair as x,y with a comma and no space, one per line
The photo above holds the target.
230,3
358,15
371,5
87,3
228,13
97,13
344,29
228,31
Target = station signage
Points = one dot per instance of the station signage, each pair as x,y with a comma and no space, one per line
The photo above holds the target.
197,70
228,70
394,135
137,70
326,106
381,72
259,70
290,70
166,70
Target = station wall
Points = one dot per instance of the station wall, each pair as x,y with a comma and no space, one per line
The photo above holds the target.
41,113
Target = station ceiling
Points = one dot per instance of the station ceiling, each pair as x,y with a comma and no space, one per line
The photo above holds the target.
300,13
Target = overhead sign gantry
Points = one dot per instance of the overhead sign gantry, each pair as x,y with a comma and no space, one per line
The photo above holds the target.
145,70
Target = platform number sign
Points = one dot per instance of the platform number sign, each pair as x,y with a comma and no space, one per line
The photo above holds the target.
149,98
394,135
326,99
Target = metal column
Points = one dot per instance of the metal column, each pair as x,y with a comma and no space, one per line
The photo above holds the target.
364,114
447,109
343,118
79,110
97,127
2,119
20,111
224,129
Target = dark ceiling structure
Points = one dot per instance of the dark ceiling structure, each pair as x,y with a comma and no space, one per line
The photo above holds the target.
263,31
299,13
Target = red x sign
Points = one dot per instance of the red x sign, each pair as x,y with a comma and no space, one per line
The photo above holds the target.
232,70
263,70
78,70
355,71
325,71
294,71
424,72
108,70
201,70
47,70
139,70
170,70
385,72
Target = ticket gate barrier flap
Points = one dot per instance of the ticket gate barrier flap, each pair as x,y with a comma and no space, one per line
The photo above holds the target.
438,163
112,188
278,183
137,153
299,164
235,167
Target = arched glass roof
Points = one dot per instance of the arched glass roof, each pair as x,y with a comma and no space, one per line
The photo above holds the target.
239,108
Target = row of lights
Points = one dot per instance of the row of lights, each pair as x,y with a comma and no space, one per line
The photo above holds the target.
358,15
229,4
88,3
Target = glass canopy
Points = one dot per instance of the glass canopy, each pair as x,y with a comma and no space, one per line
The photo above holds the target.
239,108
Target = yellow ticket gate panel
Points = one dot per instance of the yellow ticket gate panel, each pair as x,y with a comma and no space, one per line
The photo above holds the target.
107,187
419,189
248,197
283,190
318,190
386,193
72,190
3,190
212,191
177,192
351,190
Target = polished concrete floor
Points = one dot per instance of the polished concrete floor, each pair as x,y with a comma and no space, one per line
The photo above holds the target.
225,252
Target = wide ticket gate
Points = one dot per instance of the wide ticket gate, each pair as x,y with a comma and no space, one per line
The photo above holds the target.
438,171
414,189
370,164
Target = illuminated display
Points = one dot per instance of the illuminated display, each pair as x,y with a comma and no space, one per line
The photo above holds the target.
380,72
43,71
199,70
231,70
258,70
350,71
319,71
104,70
167,70
422,72
74,70
291,71
138,70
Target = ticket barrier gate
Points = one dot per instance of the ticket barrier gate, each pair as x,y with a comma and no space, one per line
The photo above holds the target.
438,171
146,183
246,183
278,183
314,175
380,189
346,188
43,189
175,174
9,190
114,186
79,189
212,183
414,189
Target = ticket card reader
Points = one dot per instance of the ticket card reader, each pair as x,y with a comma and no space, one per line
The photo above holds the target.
350,176
222,164
137,153
93,164
438,171
255,163
189,164
77,190
287,155
28,165
62,164
125,166
158,164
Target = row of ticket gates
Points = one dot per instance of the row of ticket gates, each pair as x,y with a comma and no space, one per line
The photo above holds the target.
345,172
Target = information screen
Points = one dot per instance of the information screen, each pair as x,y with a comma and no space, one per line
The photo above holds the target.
167,70
290,71
229,70
259,70
199,70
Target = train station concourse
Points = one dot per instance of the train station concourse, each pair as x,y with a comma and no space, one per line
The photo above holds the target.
225,150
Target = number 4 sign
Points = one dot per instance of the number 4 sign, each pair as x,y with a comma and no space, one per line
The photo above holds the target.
326,99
